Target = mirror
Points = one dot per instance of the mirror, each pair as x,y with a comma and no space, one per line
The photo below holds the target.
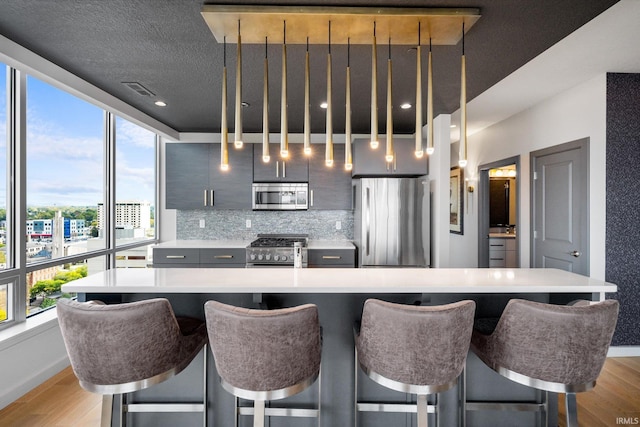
502,197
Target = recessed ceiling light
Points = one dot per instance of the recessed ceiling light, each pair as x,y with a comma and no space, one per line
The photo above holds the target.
405,106
160,103
323,105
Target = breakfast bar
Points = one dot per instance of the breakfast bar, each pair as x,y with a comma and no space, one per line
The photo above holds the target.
340,295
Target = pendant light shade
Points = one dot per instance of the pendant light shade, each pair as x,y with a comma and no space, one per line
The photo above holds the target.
307,114
348,160
224,136
238,130
430,147
389,154
462,161
328,155
284,133
374,91
265,108
419,152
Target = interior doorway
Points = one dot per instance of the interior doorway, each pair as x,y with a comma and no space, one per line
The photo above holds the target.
499,213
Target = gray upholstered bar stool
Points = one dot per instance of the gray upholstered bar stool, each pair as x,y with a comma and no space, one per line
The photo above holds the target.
553,348
121,348
412,349
264,355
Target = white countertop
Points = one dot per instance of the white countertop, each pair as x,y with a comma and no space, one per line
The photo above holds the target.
205,244
502,235
336,280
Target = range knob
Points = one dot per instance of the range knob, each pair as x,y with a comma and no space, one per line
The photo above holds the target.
284,258
253,257
276,257
267,257
260,257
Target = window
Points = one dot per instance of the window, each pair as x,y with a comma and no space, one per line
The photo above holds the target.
3,174
135,182
65,173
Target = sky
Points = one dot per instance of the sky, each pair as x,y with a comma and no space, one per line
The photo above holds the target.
65,165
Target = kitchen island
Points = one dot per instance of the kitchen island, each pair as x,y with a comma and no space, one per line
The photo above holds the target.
340,294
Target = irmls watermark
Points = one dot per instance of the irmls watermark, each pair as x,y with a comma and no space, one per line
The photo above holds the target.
627,421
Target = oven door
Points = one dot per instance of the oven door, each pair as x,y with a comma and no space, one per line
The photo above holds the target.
276,196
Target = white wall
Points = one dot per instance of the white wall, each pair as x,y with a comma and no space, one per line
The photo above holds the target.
576,113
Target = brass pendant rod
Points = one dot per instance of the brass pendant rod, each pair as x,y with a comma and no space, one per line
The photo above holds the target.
328,156
462,161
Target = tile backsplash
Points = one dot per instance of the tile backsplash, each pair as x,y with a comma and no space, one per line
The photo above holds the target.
232,224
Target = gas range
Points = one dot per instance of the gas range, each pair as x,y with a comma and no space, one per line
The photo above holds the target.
276,250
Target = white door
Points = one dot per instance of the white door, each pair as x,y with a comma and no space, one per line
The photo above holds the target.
560,207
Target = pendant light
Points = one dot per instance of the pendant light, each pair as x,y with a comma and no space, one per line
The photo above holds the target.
307,115
238,130
389,155
328,155
224,149
265,107
284,135
462,162
430,147
419,151
348,161
374,91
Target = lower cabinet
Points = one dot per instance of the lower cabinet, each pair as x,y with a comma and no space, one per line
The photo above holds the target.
332,258
199,257
502,253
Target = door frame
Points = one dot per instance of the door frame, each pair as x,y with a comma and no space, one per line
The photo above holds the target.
582,145
483,208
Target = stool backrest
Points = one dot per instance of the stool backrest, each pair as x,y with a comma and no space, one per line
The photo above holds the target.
120,343
418,345
264,350
556,343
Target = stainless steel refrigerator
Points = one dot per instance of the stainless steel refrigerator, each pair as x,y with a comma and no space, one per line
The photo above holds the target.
391,222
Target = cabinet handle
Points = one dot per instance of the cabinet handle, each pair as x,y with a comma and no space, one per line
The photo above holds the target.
211,198
284,169
223,256
497,245
331,257
278,169
496,259
205,198
175,257
311,194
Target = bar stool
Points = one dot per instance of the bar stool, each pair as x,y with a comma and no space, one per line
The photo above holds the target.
121,348
412,349
265,355
552,348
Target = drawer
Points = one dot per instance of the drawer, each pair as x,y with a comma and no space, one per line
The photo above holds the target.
332,257
176,256
499,244
497,263
222,256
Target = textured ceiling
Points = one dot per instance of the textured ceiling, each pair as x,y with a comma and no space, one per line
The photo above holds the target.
166,46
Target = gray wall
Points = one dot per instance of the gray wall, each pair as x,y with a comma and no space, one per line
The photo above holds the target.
623,202
231,224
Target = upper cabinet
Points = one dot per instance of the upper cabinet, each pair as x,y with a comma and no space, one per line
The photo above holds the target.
370,162
294,169
194,179
330,187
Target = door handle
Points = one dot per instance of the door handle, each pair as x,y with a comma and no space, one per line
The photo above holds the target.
278,169
575,254
205,198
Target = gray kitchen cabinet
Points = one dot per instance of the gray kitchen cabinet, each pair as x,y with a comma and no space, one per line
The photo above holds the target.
294,169
370,162
332,258
199,257
194,179
330,187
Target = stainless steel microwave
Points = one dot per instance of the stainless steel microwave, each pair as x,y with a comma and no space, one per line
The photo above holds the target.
280,196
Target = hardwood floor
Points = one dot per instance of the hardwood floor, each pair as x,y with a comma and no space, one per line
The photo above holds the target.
60,402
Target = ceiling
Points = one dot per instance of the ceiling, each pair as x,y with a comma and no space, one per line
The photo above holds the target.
166,46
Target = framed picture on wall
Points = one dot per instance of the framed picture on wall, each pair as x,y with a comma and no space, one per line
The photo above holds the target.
456,211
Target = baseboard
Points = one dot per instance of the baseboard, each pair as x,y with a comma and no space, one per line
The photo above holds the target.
624,351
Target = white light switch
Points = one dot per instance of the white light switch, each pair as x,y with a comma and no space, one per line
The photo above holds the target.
248,223
202,223
338,225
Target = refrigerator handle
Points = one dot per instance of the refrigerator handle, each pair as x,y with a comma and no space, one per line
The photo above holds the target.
367,220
